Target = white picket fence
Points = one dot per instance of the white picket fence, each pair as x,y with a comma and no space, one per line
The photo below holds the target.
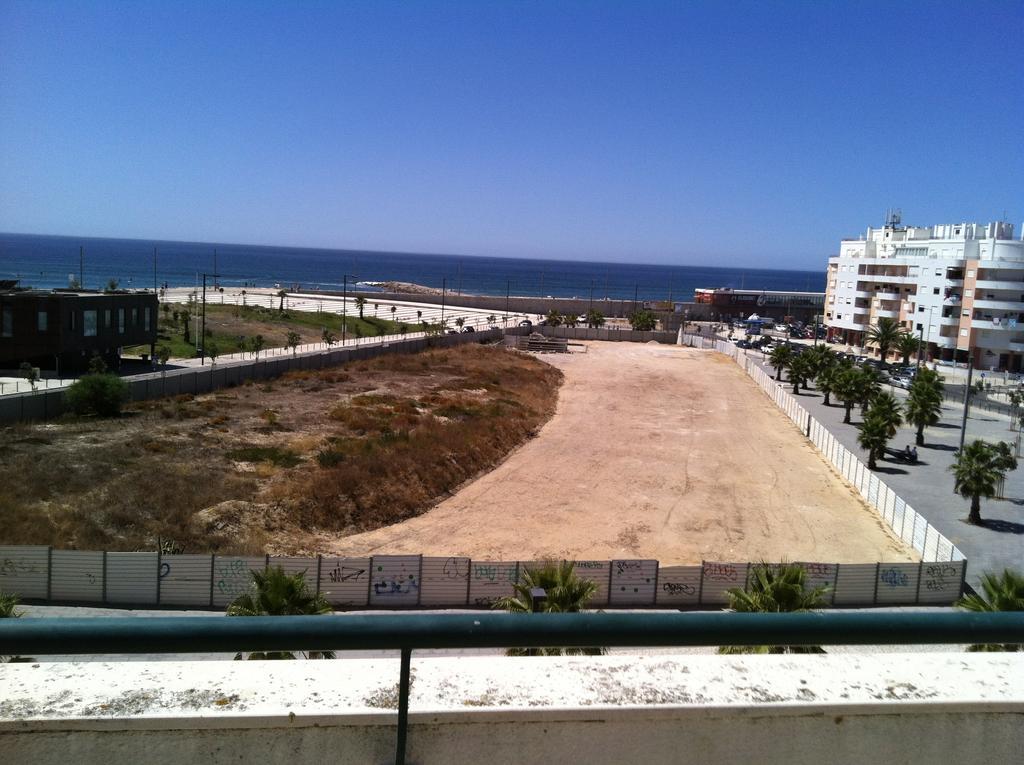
415,581
909,525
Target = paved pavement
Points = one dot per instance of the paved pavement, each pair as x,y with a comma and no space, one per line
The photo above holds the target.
928,485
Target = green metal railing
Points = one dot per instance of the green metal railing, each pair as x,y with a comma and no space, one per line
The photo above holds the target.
405,633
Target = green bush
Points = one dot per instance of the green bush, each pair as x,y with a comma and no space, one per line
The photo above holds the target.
99,394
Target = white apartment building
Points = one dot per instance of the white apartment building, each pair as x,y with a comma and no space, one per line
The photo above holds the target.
959,287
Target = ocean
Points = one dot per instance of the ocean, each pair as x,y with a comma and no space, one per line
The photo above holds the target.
50,261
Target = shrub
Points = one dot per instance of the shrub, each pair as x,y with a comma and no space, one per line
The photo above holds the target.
273,454
99,394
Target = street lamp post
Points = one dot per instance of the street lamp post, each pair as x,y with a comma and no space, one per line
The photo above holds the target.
344,305
202,345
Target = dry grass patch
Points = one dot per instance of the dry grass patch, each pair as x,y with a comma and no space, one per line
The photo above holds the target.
274,467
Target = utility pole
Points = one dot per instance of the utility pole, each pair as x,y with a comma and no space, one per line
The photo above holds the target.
202,352
967,404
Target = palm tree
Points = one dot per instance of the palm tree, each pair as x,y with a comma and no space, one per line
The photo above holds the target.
360,304
393,309
846,386
869,383
243,297
906,344
491,318
873,436
819,357
554,318
419,315
565,592
885,334
595,319
280,594
924,408
779,358
826,379
799,368
8,610
327,337
459,322
775,589
978,470
281,294
887,408
570,319
7,606
1002,593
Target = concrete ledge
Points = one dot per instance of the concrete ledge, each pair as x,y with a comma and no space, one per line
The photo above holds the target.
623,708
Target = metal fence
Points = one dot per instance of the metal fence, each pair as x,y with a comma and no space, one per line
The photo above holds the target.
45,574
909,525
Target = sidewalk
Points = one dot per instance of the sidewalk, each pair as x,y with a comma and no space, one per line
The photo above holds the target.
928,485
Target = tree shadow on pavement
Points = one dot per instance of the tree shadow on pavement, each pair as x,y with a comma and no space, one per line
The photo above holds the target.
1003,527
893,470
939,447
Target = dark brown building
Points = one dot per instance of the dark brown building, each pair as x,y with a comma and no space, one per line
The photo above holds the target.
63,329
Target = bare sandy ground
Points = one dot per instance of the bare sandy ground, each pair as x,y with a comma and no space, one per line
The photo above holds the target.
654,452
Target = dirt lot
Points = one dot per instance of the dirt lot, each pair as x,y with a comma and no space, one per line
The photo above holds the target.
654,451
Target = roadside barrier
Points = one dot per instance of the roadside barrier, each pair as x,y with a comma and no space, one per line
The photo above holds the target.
44,574
908,524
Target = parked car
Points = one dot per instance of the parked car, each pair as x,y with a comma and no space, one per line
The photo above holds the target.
744,344
526,323
468,329
901,382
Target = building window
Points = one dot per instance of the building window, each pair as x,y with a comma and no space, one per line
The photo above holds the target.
935,290
970,273
74,321
120,320
147,319
965,313
106,318
135,317
963,333
920,309
920,327
968,293
42,321
7,321
89,323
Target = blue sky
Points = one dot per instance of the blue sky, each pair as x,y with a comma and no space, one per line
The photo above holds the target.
719,133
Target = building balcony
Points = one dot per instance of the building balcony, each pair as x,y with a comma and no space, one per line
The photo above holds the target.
1000,284
1000,305
916,707
884,313
992,325
888,278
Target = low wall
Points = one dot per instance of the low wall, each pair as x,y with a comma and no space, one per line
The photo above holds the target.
532,305
586,333
44,574
909,525
47,404
916,709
